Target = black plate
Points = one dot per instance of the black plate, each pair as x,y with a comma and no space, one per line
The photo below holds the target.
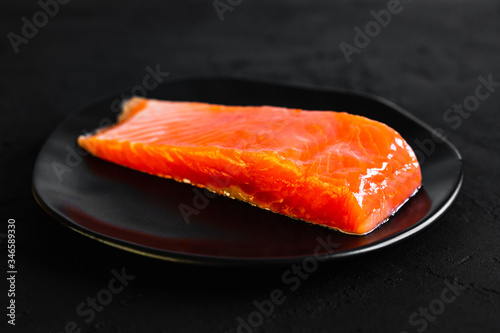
140,213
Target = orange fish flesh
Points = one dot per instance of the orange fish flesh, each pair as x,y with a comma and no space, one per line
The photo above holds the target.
334,169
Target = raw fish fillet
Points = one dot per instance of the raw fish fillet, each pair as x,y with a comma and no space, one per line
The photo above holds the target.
329,168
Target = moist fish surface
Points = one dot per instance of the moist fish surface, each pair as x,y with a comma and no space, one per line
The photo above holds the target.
334,169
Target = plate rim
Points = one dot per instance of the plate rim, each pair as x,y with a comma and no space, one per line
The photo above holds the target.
209,260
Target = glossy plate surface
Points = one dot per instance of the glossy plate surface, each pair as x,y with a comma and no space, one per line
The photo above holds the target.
140,213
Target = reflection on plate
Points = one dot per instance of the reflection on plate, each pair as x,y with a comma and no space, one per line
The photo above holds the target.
140,213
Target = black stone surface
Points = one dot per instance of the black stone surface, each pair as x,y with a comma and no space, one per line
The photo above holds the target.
427,59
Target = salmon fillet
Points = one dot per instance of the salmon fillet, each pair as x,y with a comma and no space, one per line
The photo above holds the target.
334,169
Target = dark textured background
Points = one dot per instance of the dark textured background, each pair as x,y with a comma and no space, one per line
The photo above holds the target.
428,58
